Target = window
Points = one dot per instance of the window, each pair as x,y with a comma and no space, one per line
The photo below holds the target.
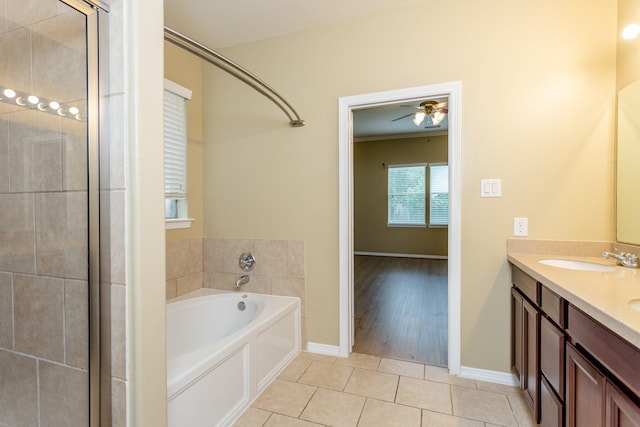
175,155
438,194
406,195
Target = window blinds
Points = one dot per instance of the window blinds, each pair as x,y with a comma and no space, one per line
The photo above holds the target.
406,195
439,194
175,140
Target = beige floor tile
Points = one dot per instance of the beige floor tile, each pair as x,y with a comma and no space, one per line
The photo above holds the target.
424,394
334,408
436,419
400,367
482,406
499,388
295,369
326,375
284,397
252,417
357,360
521,409
378,385
278,420
441,375
315,356
377,413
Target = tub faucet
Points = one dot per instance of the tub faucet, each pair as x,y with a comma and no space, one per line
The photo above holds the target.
624,259
242,280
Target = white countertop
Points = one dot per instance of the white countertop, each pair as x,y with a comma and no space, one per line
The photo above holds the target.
604,296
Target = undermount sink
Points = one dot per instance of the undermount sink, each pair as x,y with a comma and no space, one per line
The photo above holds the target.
635,304
571,264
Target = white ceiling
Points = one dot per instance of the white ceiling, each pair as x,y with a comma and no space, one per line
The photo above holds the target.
223,23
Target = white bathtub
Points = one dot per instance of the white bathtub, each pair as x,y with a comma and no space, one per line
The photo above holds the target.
220,358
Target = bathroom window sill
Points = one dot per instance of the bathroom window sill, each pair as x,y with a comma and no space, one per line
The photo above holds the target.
175,223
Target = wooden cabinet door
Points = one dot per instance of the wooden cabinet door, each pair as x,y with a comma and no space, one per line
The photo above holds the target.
530,362
516,334
552,355
621,411
585,394
551,409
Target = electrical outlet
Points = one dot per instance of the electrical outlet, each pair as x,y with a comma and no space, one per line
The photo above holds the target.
520,227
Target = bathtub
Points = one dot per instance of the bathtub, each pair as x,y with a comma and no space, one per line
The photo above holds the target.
223,349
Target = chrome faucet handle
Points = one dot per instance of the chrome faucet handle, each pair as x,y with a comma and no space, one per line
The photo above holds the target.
247,261
625,259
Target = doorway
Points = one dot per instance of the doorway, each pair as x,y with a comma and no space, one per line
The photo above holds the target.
347,105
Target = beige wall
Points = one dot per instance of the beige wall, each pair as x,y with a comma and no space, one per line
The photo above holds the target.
185,69
371,233
538,85
628,59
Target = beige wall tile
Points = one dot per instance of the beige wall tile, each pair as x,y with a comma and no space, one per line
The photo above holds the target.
17,233
183,257
172,289
64,396
117,237
35,139
5,184
61,234
213,255
16,68
118,403
30,11
18,390
377,413
296,259
233,248
189,283
74,155
6,311
271,257
38,305
118,332
114,179
76,323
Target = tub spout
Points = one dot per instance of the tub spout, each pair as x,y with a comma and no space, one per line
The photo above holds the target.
242,280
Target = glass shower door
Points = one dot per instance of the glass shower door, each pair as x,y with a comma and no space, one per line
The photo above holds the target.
44,214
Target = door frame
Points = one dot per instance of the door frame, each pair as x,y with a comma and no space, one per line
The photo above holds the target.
346,105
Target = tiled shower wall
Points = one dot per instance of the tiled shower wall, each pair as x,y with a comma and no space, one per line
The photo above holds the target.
43,217
213,263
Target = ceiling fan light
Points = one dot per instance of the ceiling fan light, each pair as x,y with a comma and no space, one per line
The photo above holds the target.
418,118
438,117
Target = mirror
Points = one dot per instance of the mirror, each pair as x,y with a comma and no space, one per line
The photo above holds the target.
628,128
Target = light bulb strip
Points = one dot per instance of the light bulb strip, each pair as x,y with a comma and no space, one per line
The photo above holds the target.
14,97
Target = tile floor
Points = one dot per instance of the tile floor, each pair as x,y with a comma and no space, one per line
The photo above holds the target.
370,391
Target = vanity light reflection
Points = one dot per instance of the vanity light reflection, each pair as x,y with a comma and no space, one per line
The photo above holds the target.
10,96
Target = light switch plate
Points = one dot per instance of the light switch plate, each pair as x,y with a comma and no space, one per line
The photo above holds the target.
491,187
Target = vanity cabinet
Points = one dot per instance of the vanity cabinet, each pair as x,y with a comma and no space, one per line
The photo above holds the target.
573,371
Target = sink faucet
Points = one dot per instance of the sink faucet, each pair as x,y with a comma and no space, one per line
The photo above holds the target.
625,259
242,280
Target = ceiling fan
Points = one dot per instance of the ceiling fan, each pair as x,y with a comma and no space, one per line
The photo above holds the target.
430,112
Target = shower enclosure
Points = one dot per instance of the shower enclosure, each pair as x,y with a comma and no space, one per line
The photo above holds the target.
50,245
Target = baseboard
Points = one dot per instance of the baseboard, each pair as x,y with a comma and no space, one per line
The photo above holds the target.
400,255
325,349
497,377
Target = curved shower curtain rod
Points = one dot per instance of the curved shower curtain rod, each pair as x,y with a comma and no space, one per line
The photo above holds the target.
235,70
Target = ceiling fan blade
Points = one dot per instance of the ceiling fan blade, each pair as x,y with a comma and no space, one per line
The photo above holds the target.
401,117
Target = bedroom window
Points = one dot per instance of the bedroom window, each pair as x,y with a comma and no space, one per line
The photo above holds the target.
406,189
438,195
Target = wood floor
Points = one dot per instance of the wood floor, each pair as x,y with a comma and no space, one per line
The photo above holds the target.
401,308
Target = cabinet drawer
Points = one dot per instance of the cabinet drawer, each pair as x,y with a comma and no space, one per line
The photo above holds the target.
552,355
552,305
614,353
527,284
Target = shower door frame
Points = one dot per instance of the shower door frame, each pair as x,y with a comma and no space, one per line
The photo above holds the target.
99,341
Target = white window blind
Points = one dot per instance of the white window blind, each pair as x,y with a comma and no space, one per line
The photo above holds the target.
438,194
406,195
175,140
